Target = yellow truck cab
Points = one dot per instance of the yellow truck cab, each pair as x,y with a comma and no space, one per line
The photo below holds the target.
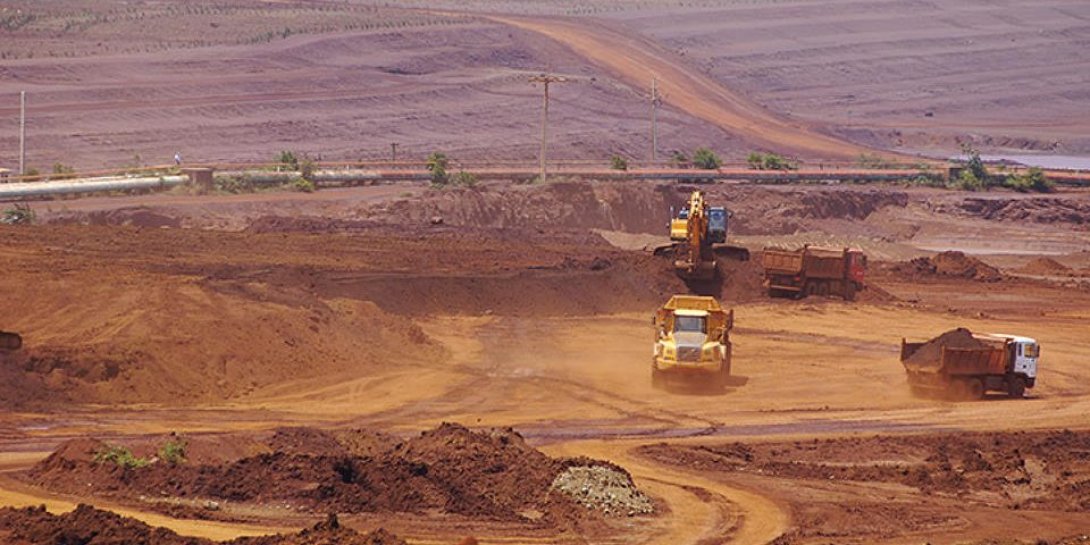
692,340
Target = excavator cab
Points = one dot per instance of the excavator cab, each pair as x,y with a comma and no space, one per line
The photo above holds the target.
717,224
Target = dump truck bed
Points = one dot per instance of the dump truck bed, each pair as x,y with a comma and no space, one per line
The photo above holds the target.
813,262
990,360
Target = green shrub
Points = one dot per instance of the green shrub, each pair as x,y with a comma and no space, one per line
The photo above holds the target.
769,161
304,185
62,172
437,164
306,170
233,184
32,175
173,451
706,159
618,163
464,178
1033,179
967,181
22,214
288,159
120,456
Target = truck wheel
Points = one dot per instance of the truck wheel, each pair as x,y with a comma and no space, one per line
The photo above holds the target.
1016,388
975,389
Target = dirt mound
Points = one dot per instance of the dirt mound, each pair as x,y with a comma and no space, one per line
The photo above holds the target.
89,526
630,207
135,216
1037,210
1039,470
950,264
489,475
1045,266
931,351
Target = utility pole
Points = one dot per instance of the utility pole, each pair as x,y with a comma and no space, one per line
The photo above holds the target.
546,80
393,152
655,102
22,133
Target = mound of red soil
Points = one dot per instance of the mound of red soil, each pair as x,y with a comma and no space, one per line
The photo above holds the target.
1045,266
931,351
1039,470
89,526
950,264
492,475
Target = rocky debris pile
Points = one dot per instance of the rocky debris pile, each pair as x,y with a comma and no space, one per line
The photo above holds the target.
603,489
931,351
951,264
490,475
87,525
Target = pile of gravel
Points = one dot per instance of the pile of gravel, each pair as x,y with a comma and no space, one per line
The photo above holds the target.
604,489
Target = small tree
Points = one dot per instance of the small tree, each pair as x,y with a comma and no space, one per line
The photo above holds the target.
974,163
288,159
706,159
618,163
678,159
437,164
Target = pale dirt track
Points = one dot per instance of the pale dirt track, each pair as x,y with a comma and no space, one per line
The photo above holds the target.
637,61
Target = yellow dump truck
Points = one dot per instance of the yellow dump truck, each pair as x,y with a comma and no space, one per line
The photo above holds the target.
692,340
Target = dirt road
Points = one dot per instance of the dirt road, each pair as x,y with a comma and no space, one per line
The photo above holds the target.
637,60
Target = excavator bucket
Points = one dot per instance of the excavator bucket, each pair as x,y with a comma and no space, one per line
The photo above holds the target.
10,341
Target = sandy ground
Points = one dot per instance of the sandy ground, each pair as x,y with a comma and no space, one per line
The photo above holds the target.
356,312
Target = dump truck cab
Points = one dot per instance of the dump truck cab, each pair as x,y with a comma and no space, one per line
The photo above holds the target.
1024,352
692,339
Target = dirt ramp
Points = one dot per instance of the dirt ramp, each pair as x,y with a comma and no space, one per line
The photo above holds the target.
87,525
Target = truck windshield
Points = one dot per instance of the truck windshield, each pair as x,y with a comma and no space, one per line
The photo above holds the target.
693,324
1030,350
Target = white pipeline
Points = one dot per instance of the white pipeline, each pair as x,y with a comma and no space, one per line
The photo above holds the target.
20,190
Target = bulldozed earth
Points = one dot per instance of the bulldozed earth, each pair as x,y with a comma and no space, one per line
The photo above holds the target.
476,362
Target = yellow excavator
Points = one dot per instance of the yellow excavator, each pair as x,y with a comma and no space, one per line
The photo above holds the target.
698,234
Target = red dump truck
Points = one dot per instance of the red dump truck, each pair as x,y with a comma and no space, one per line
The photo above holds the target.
814,271
964,365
